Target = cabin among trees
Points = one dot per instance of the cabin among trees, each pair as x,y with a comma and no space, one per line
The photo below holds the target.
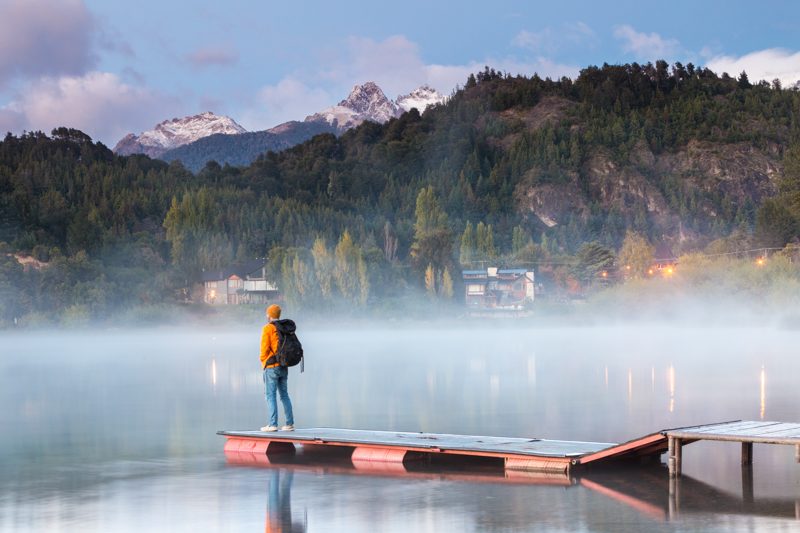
239,284
494,288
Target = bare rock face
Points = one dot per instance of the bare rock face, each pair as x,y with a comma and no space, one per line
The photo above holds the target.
739,171
712,176
550,204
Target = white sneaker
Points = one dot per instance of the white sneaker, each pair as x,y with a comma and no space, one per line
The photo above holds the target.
287,427
269,428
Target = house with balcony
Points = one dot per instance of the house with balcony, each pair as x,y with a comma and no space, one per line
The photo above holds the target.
243,283
499,288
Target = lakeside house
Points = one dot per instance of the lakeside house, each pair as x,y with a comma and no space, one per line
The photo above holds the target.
496,288
244,283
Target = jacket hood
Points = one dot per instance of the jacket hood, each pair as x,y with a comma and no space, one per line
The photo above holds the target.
285,325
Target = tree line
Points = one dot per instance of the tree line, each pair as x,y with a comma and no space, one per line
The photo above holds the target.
384,210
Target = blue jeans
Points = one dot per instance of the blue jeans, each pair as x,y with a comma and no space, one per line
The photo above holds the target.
276,379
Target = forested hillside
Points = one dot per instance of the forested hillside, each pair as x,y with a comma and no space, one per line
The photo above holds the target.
243,148
514,170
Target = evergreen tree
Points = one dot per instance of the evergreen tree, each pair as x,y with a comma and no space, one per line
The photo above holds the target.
447,285
467,250
432,238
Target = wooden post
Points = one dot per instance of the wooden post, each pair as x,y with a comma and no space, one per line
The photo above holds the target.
674,497
747,484
747,453
671,456
672,459
797,452
674,445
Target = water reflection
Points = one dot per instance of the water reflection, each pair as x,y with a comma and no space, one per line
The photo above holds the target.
671,377
647,491
155,402
279,504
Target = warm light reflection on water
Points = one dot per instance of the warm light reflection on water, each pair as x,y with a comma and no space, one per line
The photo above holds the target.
763,380
671,377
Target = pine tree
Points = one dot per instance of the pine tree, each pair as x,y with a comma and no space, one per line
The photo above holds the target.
345,267
323,267
447,285
467,250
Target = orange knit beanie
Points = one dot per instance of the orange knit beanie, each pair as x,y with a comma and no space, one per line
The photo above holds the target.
274,311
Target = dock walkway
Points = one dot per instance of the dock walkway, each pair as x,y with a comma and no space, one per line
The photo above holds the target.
529,454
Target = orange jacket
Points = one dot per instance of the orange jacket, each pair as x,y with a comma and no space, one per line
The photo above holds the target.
269,345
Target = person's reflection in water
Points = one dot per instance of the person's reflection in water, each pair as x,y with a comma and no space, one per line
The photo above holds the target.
279,504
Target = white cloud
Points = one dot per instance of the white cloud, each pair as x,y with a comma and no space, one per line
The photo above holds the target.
766,64
549,40
97,103
289,99
395,64
445,78
646,46
42,37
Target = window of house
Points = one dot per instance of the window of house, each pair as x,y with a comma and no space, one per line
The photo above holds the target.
474,288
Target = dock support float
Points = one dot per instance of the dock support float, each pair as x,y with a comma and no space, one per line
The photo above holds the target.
257,446
378,455
535,464
674,449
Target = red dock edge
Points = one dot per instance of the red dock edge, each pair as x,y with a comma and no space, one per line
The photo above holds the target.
371,456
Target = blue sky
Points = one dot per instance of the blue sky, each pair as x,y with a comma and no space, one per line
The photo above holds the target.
110,67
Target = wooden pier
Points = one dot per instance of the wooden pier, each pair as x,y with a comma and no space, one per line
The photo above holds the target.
746,432
517,454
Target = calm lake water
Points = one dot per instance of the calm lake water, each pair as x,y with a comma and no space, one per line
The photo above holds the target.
115,431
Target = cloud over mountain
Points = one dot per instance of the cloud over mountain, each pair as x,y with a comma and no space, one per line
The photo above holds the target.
44,38
646,46
98,103
766,64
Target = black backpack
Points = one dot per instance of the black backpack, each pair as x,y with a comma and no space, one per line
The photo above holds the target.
290,351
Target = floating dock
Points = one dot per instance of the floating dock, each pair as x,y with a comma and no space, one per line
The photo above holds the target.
517,454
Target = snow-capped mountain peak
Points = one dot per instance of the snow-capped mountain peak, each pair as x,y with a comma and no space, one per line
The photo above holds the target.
420,98
177,132
365,102
368,102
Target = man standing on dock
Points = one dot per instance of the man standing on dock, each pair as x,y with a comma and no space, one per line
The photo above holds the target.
276,377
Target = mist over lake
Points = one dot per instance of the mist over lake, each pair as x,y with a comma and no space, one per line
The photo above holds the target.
115,430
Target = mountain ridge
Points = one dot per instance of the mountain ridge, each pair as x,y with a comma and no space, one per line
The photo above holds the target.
176,132
365,102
